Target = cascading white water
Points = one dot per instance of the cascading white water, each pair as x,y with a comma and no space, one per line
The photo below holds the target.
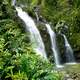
68,51
37,41
54,46
35,36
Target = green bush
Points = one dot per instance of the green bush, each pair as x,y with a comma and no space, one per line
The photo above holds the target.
38,69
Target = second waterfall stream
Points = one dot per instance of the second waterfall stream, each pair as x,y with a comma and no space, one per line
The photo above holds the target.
54,47
68,51
35,37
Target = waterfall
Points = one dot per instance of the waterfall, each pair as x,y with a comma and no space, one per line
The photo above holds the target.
68,51
35,36
37,42
54,46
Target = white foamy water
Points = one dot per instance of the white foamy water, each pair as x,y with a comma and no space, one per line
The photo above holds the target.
68,51
54,46
35,36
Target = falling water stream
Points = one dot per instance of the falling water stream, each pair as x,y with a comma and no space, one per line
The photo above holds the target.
35,36
54,46
68,51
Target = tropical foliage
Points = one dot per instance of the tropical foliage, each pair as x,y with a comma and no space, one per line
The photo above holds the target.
18,61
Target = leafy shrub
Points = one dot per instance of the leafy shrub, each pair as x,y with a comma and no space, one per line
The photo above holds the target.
37,68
